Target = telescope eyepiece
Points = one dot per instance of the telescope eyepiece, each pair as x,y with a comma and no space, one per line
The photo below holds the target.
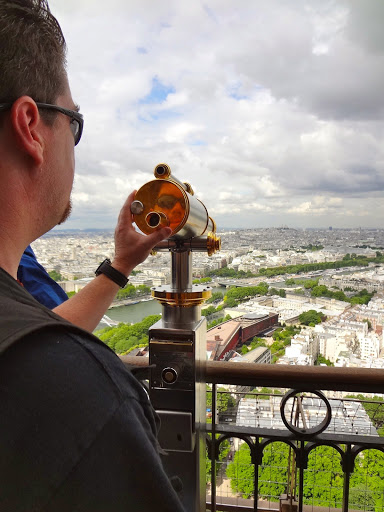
155,219
162,171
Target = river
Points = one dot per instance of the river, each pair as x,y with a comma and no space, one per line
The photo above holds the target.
136,312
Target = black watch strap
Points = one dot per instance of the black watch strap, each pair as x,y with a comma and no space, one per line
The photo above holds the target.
117,277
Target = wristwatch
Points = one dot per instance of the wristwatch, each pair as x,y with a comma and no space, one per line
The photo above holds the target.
117,277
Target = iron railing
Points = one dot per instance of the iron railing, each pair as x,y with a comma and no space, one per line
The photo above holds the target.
293,447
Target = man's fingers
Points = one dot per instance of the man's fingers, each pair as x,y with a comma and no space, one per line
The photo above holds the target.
125,212
158,236
128,201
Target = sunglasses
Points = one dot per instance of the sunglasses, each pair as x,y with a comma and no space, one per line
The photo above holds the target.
76,124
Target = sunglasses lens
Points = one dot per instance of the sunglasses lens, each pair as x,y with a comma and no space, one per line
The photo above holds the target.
75,129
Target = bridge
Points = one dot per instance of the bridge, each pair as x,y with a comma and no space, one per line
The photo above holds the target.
108,321
238,283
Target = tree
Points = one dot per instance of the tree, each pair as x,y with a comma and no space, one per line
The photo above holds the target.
276,346
368,477
123,337
224,400
208,311
241,472
246,292
124,344
224,449
216,296
311,317
275,291
56,276
310,283
257,342
322,360
231,303
360,499
319,291
374,407
323,478
272,472
323,481
131,291
215,322
142,289
202,280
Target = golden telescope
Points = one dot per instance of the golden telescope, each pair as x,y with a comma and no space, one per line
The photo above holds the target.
177,342
166,201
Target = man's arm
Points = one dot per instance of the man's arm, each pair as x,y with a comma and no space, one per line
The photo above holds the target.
88,306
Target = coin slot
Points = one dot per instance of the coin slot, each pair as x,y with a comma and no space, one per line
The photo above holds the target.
169,375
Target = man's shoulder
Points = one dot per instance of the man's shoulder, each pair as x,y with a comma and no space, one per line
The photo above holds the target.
82,356
21,315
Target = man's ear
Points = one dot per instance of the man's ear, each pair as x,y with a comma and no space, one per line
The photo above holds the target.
27,125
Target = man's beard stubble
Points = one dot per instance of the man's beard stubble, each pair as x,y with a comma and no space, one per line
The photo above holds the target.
66,213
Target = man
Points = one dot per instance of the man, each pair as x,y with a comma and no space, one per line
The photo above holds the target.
77,432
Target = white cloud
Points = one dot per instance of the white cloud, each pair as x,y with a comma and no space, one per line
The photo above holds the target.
319,205
271,110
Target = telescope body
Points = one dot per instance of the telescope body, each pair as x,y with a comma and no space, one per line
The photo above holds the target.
177,342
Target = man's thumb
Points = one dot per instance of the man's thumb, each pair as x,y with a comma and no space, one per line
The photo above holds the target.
160,235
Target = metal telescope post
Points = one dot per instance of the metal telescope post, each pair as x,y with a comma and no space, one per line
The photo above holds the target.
177,345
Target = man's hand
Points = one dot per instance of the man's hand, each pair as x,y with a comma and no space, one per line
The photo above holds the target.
131,247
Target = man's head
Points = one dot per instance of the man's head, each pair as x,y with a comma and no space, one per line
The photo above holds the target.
39,127
32,52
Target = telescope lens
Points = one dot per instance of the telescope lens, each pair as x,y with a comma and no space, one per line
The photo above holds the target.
160,169
168,202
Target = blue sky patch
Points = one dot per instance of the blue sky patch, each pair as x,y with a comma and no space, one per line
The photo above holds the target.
158,94
197,142
234,91
158,116
237,96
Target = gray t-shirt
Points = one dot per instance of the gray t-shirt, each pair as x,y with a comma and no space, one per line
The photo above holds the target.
77,431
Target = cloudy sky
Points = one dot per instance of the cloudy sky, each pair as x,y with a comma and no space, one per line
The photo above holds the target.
272,109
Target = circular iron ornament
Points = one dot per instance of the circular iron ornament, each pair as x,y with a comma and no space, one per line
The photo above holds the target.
303,430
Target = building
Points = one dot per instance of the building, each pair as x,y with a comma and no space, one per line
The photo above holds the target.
225,337
348,416
259,355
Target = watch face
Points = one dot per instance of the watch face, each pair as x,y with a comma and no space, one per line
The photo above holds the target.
104,264
98,270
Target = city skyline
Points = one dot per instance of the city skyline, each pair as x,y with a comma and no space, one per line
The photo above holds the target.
272,110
